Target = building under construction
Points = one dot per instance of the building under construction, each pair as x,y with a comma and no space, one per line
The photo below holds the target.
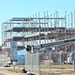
37,29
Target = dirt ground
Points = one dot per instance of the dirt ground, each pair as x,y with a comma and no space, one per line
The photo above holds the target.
8,72
57,72
11,71
42,71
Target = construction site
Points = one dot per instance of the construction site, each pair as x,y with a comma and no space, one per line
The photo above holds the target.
49,31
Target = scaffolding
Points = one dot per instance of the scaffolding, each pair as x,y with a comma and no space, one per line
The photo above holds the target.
37,29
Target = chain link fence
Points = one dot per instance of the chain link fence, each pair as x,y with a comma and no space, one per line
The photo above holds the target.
48,61
32,63
3,59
